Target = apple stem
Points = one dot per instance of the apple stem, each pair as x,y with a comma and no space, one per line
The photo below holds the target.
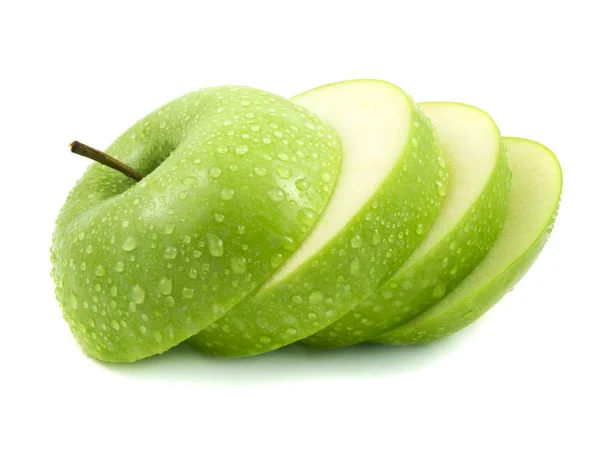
83,150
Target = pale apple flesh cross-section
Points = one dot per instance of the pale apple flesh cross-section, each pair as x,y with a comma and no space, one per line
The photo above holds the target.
472,215
533,205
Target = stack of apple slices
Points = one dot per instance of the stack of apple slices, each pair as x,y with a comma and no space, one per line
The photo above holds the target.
347,214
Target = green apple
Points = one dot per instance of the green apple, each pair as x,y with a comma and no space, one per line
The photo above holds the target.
533,205
234,179
389,191
466,228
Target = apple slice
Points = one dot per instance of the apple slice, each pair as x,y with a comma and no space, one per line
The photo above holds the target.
233,178
465,230
386,198
533,205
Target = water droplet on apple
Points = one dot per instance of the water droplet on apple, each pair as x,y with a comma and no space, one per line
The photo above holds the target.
137,294
241,150
99,271
187,292
307,216
356,241
170,253
439,291
302,184
355,267
169,228
227,194
260,171
284,173
420,228
441,188
288,243
190,181
276,194
115,324
238,264
89,249
291,331
215,245
376,239
165,286
193,274
326,177
129,244
276,260
214,172
315,297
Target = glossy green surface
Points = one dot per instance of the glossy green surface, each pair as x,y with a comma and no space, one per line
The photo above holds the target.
371,246
231,173
533,205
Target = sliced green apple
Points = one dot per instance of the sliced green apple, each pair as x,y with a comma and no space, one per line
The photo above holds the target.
232,177
386,198
466,228
533,205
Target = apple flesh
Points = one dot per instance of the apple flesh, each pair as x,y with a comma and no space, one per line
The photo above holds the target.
533,205
234,178
471,217
385,200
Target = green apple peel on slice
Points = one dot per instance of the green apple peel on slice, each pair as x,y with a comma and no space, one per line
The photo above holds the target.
533,205
385,200
469,222
231,176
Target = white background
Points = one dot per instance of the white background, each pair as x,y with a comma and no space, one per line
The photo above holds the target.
523,377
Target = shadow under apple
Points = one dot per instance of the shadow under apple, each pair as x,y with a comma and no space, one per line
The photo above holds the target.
291,363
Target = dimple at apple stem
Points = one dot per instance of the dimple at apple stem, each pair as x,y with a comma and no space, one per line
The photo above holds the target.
104,159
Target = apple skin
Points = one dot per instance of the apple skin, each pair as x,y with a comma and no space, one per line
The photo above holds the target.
420,283
507,262
231,175
371,246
